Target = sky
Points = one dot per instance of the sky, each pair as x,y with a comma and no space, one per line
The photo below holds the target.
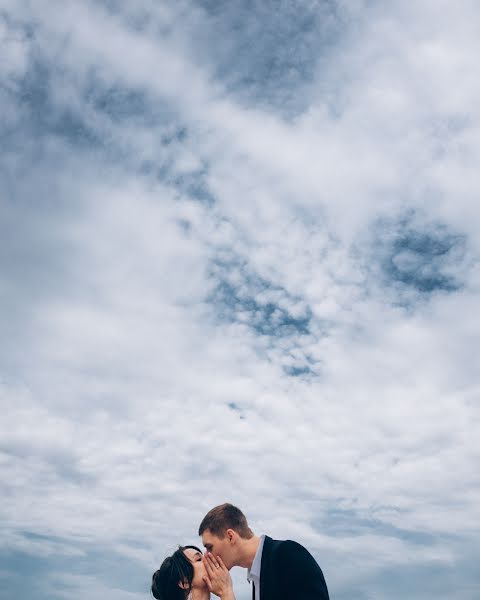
239,261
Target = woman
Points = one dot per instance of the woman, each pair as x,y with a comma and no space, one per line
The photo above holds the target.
188,575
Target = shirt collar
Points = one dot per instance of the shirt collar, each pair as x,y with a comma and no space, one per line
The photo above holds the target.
254,570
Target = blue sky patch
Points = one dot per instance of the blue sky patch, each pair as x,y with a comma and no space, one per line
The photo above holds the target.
242,296
267,53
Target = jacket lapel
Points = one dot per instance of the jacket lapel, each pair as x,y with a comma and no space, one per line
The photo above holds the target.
265,569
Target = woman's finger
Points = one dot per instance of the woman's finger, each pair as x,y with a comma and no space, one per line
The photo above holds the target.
213,561
208,566
206,579
221,564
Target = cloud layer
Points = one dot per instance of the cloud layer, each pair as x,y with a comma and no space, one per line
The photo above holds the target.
239,261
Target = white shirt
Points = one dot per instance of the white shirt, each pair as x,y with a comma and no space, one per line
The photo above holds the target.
253,574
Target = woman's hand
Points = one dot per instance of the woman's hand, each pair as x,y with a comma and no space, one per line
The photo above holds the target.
218,578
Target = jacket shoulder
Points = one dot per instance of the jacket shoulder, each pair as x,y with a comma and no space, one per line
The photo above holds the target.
297,574
287,547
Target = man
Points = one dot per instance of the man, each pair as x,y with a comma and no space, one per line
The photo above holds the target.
278,570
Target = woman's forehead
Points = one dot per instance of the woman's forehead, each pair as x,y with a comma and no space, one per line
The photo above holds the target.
191,553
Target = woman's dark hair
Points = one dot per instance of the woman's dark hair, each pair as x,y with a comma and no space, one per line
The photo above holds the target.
174,569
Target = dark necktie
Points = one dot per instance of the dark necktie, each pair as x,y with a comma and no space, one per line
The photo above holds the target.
253,590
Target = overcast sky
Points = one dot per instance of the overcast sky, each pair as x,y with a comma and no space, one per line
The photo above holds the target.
239,261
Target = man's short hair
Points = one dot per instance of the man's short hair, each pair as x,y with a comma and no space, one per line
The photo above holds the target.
223,517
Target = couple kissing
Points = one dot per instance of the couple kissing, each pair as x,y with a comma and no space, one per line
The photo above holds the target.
276,570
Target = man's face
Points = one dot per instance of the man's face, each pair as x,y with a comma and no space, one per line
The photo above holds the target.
221,547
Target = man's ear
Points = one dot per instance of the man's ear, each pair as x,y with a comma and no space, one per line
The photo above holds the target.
231,535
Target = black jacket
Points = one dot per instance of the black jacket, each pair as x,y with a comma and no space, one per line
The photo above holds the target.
289,572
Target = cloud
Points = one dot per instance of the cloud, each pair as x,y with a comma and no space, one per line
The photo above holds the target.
239,261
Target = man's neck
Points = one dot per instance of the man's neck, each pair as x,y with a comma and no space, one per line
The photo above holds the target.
249,549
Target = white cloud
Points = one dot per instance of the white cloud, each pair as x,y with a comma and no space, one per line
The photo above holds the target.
175,249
